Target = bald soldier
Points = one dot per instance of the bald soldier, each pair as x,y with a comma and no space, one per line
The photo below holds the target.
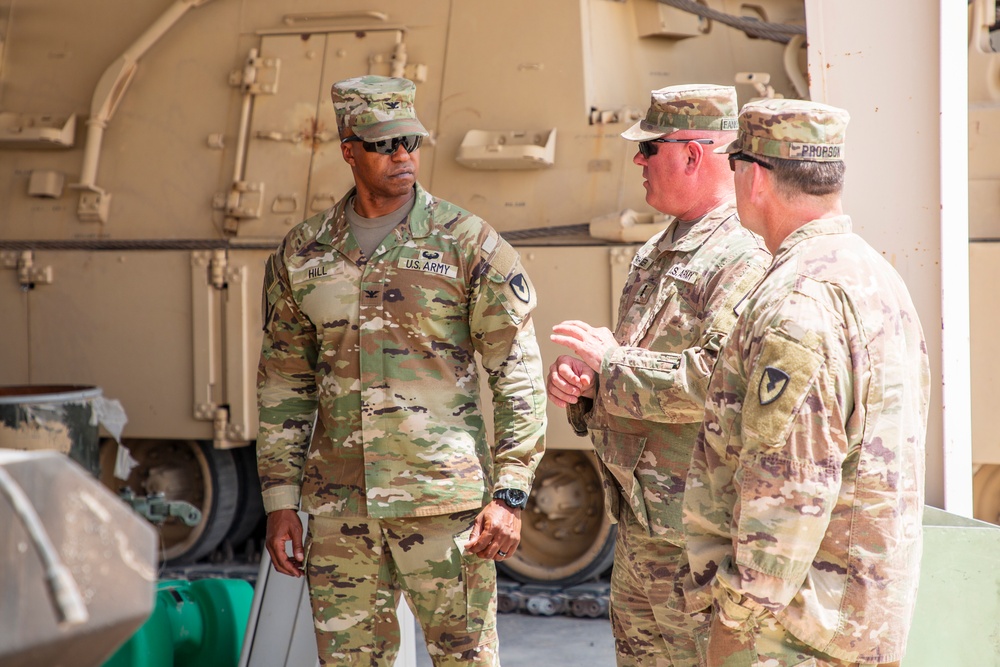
803,505
640,392
369,400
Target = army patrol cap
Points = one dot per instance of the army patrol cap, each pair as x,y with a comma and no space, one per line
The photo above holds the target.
791,130
686,107
376,107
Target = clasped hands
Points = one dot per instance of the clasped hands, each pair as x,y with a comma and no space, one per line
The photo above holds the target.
571,377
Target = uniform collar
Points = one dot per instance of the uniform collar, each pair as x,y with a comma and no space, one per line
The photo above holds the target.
701,230
840,224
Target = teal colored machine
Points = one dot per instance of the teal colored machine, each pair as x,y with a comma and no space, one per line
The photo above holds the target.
957,620
194,624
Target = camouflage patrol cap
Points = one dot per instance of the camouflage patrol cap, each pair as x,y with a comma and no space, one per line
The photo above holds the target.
792,130
376,107
686,107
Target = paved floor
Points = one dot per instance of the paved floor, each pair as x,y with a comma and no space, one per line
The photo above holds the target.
547,641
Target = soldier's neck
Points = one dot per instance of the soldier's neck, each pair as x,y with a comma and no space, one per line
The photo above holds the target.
369,205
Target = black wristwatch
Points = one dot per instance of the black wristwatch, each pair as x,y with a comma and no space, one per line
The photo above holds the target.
514,498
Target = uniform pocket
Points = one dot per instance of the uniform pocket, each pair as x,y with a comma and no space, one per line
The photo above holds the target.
620,454
479,586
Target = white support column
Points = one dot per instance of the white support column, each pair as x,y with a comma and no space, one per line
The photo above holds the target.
900,70
955,330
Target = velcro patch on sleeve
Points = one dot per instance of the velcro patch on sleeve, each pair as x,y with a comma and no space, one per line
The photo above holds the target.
271,290
781,378
503,259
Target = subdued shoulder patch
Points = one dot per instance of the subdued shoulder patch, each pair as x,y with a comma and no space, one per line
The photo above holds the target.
520,287
772,384
782,376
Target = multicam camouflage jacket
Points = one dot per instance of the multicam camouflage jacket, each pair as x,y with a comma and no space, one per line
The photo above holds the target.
675,313
381,353
805,494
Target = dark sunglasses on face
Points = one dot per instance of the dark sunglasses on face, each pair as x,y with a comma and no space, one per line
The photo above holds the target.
409,142
648,149
733,157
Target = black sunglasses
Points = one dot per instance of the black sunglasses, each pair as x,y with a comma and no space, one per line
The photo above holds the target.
409,142
648,150
733,157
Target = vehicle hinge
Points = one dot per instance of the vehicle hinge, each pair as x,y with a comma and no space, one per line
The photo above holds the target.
28,273
259,75
244,201
217,269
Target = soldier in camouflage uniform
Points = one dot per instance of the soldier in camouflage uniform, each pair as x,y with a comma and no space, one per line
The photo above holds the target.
640,392
804,500
368,389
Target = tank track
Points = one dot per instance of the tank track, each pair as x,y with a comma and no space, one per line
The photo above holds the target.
588,600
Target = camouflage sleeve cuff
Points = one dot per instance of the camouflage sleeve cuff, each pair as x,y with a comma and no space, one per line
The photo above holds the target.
513,477
576,414
662,387
285,497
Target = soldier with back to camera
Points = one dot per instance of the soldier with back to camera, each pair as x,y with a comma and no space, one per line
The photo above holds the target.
369,393
804,501
640,391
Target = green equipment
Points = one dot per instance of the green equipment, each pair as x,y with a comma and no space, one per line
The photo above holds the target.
194,624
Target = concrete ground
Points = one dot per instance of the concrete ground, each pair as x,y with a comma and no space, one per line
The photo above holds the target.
547,641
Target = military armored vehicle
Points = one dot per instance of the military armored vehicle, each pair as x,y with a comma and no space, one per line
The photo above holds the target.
152,155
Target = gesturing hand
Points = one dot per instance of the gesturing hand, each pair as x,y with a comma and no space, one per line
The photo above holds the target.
587,342
569,378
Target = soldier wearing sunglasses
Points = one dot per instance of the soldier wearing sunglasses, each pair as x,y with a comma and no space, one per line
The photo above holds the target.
806,486
374,312
640,391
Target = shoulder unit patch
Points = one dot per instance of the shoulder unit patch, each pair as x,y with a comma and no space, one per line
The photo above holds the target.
772,385
520,287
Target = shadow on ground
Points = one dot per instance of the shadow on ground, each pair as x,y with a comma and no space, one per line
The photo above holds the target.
547,641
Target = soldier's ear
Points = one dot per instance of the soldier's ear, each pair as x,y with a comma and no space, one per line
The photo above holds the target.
347,150
695,154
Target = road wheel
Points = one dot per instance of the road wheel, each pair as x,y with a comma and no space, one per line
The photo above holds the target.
186,470
250,504
986,494
566,537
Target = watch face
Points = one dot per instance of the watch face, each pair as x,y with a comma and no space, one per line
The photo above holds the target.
517,497
512,497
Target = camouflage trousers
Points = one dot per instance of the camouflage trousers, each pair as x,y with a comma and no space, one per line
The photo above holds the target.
766,644
357,568
646,599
